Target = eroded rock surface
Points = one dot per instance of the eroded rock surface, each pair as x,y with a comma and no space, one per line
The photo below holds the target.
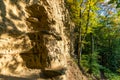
34,34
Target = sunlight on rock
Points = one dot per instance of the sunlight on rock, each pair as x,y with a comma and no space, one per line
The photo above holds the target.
33,35
11,45
11,64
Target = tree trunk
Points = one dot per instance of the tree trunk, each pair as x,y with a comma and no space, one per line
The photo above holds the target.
92,51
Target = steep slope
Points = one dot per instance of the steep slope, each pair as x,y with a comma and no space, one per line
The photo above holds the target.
34,34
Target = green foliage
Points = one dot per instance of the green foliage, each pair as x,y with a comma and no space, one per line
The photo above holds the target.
95,65
111,1
73,7
85,61
115,1
101,53
112,76
108,44
109,74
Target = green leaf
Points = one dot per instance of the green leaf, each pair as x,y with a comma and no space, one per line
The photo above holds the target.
111,1
118,6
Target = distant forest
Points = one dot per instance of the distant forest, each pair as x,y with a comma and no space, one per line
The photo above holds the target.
97,36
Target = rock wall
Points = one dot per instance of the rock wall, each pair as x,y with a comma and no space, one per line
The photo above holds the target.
34,34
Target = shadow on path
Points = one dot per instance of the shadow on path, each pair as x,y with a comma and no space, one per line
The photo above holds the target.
4,77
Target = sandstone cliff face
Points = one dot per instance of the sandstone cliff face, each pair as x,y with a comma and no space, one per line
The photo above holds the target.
33,34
